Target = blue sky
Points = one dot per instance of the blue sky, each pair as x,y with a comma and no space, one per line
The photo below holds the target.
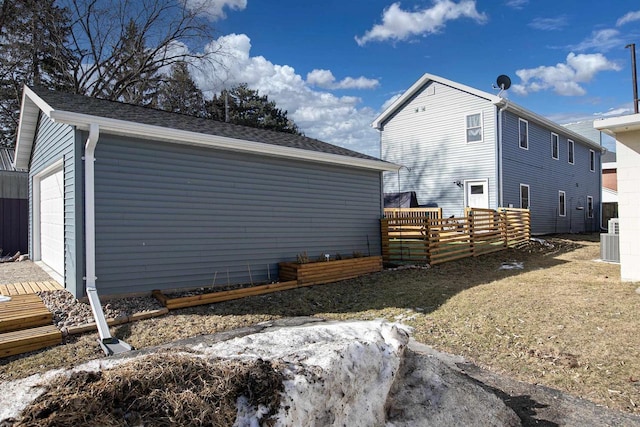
334,65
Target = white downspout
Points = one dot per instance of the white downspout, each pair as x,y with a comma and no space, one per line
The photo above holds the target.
499,154
90,243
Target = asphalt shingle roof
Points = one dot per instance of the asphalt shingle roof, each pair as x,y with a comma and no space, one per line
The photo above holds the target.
133,113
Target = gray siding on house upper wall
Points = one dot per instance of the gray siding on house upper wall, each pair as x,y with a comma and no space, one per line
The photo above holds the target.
171,216
428,136
547,176
55,142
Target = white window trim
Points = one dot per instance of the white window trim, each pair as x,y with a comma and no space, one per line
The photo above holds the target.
528,195
557,146
590,211
520,136
466,128
592,160
564,204
571,148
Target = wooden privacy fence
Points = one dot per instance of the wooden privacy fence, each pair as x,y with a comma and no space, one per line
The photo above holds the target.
434,240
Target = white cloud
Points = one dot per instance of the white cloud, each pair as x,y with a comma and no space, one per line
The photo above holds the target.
564,78
601,41
214,9
517,4
399,24
549,24
319,114
325,79
629,17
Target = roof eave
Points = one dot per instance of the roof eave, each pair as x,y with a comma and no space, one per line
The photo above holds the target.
177,136
30,107
426,77
32,104
530,115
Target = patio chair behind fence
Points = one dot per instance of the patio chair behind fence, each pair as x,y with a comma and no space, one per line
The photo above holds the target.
413,236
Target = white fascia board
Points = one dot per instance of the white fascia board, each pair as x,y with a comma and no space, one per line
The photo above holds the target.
176,136
426,77
619,124
31,104
556,128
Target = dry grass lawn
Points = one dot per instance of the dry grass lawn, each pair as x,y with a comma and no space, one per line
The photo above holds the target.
564,321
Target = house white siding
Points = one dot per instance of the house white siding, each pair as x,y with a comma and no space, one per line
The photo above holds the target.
427,135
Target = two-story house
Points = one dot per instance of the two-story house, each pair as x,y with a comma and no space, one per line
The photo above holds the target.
462,147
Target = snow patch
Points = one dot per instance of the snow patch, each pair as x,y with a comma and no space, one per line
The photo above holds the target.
335,373
512,265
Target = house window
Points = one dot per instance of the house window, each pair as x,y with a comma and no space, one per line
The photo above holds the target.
474,127
570,150
562,204
523,133
555,146
524,196
589,207
592,160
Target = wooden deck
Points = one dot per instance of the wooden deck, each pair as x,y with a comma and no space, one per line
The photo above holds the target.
25,288
26,324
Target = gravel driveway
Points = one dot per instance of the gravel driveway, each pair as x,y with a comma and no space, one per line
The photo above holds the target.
22,271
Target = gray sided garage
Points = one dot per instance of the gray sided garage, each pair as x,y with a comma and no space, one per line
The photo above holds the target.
173,201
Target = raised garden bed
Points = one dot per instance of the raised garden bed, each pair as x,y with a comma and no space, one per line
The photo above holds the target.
313,273
292,275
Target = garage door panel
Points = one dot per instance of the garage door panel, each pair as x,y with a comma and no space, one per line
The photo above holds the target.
52,221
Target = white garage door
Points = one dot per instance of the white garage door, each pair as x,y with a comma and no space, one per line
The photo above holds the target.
52,221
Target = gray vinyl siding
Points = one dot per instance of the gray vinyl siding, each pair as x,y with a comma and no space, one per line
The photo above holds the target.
55,141
547,176
428,136
172,216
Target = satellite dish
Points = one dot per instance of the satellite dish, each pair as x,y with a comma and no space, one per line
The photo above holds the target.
504,82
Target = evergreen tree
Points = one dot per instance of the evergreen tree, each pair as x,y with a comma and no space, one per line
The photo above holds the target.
247,107
33,35
180,94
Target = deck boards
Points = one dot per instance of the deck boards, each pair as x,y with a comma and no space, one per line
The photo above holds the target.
26,324
18,342
24,288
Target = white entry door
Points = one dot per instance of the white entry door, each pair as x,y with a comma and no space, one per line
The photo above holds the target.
477,194
52,221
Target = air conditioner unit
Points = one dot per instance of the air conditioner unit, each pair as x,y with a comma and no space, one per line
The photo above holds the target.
613,227
610,247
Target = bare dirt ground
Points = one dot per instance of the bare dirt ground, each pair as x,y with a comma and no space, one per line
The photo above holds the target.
564,321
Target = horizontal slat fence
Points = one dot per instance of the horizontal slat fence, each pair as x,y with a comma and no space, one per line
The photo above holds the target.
434,240
417,213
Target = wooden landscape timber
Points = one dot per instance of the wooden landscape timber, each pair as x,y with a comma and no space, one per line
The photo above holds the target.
220,296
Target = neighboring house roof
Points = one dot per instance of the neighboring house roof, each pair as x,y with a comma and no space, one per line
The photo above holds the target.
586,129
494,99
142,122
6,159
